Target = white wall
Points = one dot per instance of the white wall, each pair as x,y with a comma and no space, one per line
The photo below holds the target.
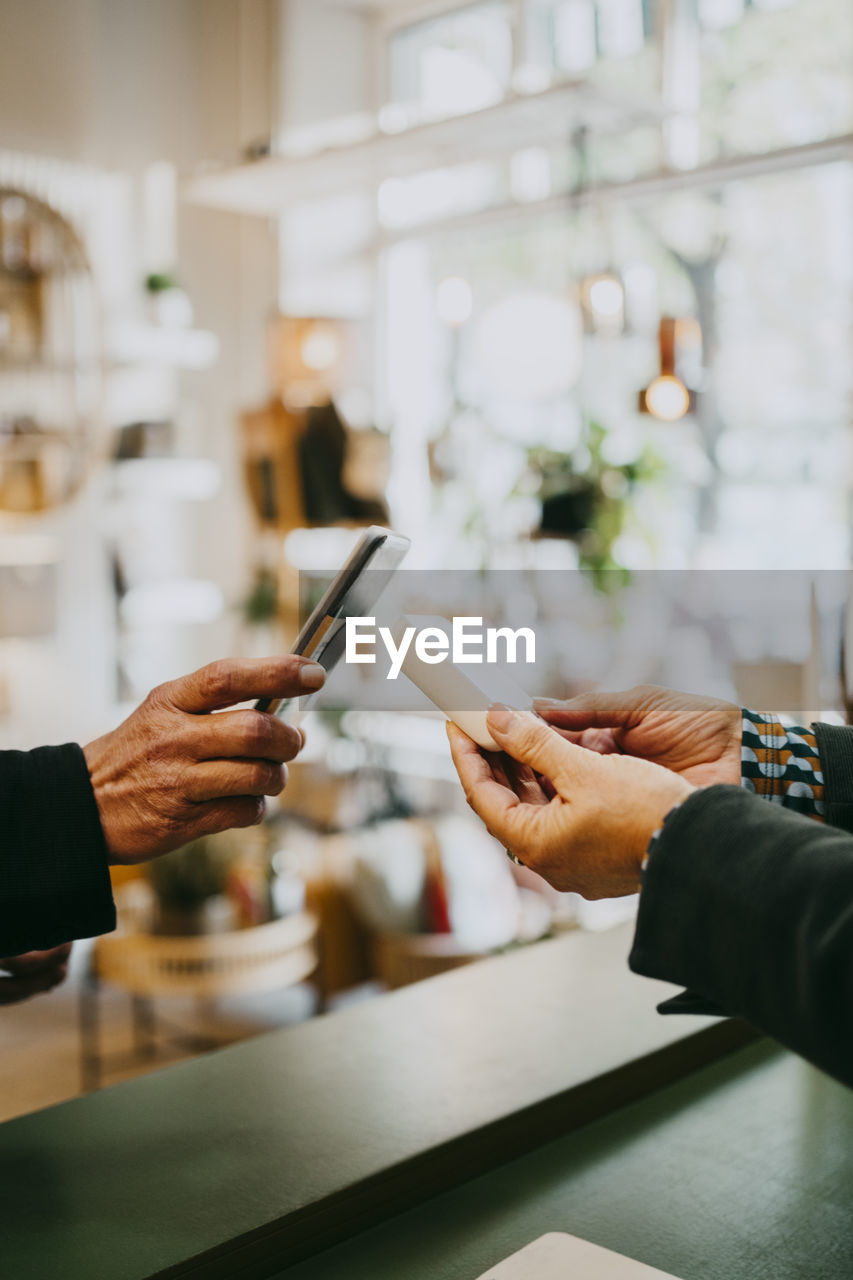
325,61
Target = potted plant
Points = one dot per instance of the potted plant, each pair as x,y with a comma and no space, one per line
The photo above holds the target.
189,887
169,304
588,500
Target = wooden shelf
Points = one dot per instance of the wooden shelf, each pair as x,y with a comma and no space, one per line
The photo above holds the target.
266,187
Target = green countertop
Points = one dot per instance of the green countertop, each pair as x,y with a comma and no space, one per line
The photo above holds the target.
743,1171
250,1159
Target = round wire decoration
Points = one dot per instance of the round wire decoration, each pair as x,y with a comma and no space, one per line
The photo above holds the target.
51,366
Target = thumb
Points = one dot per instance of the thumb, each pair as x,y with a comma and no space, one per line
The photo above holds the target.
531,741
595,710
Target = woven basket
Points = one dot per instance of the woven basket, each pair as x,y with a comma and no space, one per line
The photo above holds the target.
400,959
264,958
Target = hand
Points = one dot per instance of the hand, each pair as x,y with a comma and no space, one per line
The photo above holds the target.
30,974
697,738
592,835
172,772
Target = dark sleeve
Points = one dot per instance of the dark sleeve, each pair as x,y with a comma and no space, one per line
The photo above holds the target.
751,907
54,870
835,744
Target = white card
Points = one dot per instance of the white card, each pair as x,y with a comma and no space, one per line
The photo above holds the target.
463,695
563,1257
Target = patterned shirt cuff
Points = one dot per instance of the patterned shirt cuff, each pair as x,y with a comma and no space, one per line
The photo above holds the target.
782,764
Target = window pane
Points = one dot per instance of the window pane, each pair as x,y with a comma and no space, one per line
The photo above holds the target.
579,37
775,75
512,371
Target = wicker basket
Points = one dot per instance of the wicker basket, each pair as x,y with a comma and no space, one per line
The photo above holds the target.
264,958
400,959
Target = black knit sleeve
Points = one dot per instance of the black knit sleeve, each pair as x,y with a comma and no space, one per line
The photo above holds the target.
835,743
750,906
54,870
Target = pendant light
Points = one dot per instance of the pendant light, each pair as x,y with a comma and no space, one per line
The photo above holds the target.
666,397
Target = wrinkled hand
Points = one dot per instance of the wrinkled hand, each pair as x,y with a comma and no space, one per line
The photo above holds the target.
591,836
697,738
172,771
32,973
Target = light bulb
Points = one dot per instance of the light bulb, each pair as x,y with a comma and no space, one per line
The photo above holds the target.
606,297
321,348
667,398
454,301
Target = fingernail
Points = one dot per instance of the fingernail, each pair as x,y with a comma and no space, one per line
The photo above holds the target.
544,702
311,675
500,717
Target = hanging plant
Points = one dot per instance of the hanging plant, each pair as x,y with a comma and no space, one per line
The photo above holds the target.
586,498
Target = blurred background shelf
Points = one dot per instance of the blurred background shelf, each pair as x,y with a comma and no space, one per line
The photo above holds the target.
267,186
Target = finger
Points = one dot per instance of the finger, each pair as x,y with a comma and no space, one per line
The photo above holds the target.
213,816
548,788
476,766
214,779
460,743
246,734
14,989
504,769
232,680
602,741
34,962
472,765
520,778
594,710
528,739
482,789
